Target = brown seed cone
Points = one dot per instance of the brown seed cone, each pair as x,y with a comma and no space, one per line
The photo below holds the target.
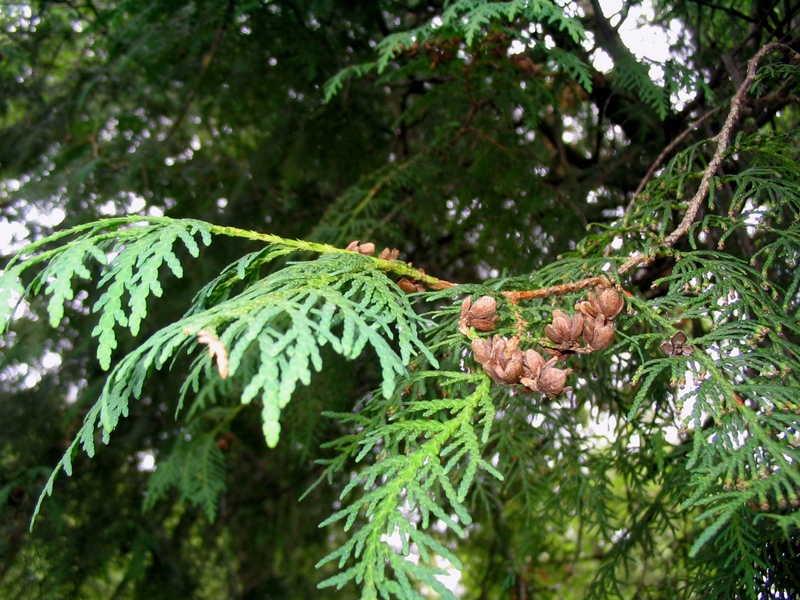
606,302
482,349
481,315
558,355
611,303
587,309
564,331
552,380
367,249
532,364
389,254
483,324
509,371
506,360
597,334
500,358
408,286
484,307
603,338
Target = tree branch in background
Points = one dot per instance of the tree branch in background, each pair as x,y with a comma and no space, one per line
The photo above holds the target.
208,58
722,139
670,147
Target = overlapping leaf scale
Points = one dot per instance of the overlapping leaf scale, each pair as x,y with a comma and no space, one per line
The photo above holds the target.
470,19
246,270
135,270
474,16
743,452
290,315
743,393
410,484
63,265
203,475
130,267
285,318
731,289
60,271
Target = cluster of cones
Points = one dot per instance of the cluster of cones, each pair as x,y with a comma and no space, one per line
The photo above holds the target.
368,249
590,329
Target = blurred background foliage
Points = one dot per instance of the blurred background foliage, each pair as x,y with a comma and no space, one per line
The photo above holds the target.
482,161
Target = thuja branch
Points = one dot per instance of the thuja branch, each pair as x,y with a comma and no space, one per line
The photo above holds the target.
120,229
723,140
128,228
670,147
395,267
558,290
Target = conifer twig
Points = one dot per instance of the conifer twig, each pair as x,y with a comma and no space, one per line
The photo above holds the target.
722,139
557,290
670,147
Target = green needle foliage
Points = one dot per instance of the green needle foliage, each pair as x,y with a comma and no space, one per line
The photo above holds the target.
284,318
427,464
573,371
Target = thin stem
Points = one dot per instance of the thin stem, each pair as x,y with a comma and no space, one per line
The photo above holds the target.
723,140
558,290
397,267
665,153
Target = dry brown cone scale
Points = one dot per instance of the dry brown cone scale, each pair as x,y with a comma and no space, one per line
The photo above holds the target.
481,315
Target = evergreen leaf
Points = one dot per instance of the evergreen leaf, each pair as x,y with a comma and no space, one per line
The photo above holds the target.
417,482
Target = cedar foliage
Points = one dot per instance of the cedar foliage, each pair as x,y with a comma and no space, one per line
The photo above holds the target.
285,365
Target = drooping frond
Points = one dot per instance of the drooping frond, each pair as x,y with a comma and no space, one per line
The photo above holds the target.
474,15
471,20
633,76
196,467
130,257
422,458
279,322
